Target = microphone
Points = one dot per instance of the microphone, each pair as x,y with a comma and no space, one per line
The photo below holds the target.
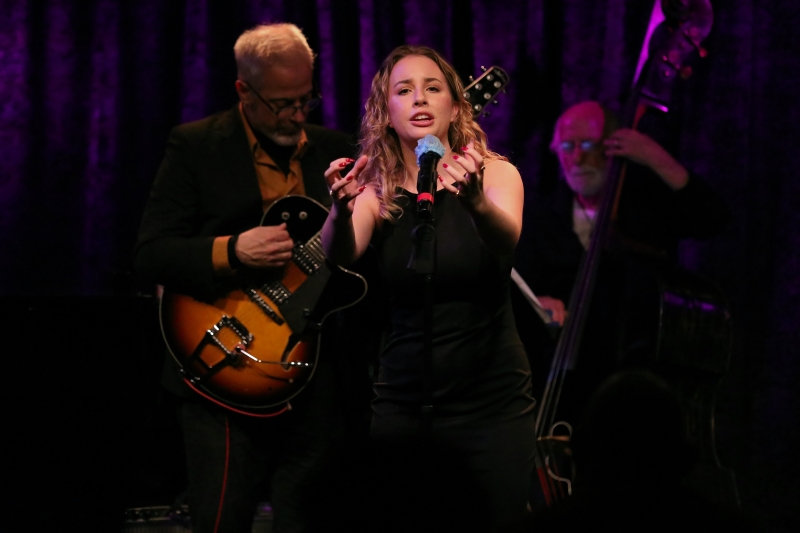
429,151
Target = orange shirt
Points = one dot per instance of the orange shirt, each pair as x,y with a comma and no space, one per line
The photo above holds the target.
272,182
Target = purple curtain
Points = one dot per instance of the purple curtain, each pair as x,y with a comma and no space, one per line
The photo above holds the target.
90,90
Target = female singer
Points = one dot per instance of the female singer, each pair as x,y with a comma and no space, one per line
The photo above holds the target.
480,428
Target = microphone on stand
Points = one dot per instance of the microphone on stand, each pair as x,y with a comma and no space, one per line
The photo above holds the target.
429,151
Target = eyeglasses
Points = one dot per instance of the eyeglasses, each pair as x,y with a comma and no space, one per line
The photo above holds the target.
308,102
586,146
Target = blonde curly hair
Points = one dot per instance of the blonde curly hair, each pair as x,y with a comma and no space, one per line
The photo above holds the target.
385,169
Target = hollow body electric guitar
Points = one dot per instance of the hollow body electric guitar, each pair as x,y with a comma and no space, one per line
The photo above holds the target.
255,346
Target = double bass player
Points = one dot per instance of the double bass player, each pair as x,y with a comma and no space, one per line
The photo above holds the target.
661,202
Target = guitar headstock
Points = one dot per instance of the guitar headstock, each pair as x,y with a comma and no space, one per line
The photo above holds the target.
485,89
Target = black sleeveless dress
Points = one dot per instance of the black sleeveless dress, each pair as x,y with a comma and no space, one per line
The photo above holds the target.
482,426
480,370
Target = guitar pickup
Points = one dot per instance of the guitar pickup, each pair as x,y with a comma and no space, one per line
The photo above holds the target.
276,291
308,257
264,306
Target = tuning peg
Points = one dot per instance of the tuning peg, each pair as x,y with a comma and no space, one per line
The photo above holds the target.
670,63
483,68
471,78
494,102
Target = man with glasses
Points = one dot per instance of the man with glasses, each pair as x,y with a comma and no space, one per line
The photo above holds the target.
201,224
660,204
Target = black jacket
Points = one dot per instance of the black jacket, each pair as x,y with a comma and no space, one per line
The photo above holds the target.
207,187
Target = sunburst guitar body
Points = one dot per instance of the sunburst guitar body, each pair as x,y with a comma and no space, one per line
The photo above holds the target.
255,346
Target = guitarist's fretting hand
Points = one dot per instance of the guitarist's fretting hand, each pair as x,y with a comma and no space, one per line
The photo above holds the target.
264,247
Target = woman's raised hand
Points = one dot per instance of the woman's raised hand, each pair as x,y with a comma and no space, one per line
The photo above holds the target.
467,176
345,189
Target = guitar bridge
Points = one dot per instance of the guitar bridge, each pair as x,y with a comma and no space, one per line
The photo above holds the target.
228,356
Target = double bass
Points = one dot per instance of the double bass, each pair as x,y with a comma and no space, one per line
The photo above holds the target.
688,314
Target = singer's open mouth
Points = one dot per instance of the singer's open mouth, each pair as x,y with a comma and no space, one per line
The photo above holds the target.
422,119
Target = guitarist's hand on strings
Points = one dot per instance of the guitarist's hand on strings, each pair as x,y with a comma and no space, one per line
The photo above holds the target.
343,190
264,247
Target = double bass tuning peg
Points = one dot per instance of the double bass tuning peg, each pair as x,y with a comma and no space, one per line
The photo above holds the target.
690,35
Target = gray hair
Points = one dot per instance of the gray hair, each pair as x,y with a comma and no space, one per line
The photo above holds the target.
258,48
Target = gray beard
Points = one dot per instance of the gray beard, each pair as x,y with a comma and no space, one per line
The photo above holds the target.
284,140
598,185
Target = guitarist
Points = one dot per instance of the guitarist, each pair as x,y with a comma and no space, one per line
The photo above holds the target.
661,203
201,224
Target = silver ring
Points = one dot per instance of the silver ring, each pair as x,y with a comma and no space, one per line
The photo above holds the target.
458,191
331,193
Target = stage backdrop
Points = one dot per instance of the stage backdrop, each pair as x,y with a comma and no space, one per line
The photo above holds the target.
90,90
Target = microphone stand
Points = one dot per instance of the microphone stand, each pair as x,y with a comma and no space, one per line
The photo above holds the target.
423,262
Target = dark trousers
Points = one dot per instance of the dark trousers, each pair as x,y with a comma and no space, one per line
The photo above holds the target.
231,458
471,477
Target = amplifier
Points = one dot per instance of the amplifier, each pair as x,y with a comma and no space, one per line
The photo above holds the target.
170,519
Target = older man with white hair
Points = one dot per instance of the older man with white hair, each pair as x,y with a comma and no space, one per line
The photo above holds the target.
201,225
660,204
